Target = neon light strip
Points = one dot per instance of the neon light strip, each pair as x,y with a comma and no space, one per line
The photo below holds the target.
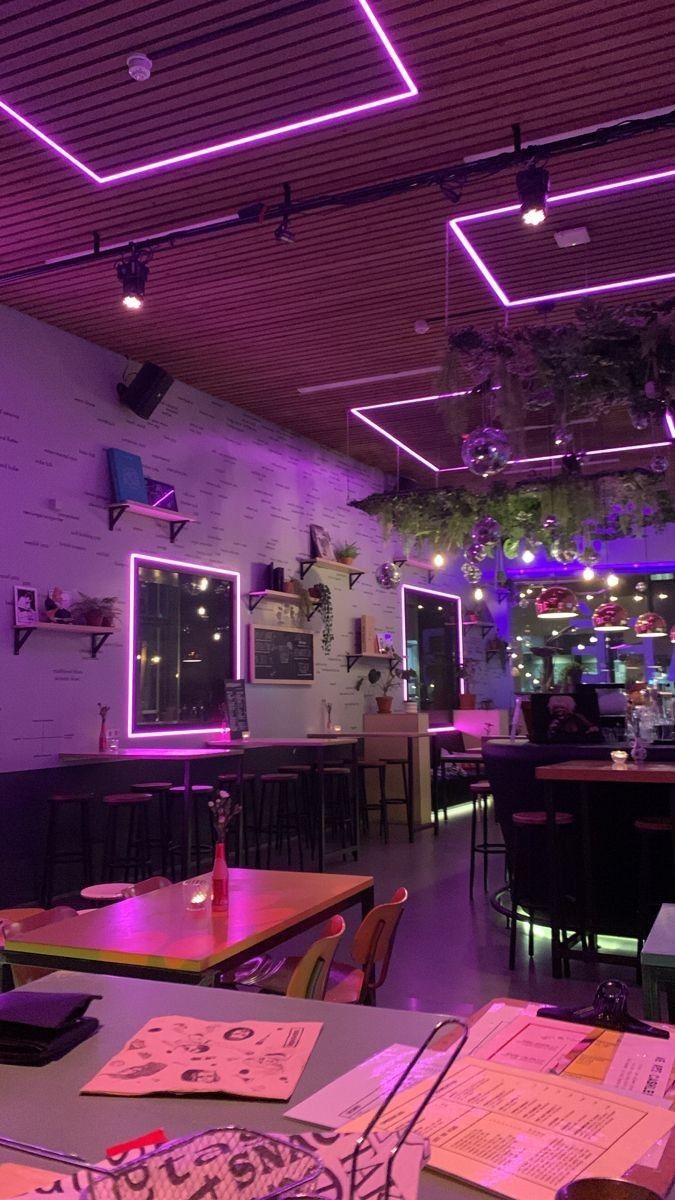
404,75
197,569
359,412
411,587
669,421
617,185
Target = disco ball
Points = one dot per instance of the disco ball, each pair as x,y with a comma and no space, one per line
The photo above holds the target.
564,550
471,572
388,575
475,552
562,438
550,522
486,450
570,463
638,418
589,556
641,587
486,529
659,464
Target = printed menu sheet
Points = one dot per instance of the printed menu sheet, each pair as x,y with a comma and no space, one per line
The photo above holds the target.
258,1059
523,1134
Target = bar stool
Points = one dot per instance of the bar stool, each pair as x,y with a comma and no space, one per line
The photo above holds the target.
529,850
134,806
160,793
280,812
654,864
80,850
480,795
406,798
249,809
106,893
339,815
199,792
364,807
305,773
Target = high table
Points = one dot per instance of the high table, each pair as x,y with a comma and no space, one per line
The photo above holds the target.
161,754
154,936
586,772
317,748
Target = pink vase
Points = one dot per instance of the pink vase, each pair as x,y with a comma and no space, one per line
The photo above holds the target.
219,880
103,738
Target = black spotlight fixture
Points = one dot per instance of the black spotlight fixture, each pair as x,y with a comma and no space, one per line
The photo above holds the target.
283,232
132,272
532,183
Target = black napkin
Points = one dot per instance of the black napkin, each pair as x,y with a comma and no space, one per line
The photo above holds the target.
39,1027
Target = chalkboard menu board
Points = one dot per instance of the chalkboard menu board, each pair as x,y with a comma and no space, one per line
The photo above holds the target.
235,706
281,655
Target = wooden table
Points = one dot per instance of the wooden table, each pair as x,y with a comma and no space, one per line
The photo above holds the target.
316,747
586,772
155,937
163,754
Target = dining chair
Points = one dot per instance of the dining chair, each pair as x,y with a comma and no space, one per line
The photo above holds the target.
310,978
22,975
153,884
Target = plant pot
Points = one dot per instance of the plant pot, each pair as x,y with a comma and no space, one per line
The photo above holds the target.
410,706
289,587
314,592
107,622
467,700
384,703
346,562
94,617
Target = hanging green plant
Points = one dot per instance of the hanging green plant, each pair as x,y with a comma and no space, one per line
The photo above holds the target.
598,507
325,610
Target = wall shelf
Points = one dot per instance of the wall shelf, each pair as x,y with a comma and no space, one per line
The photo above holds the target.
99,634
417,565
352,659
254,599
176,520
327,564
483,626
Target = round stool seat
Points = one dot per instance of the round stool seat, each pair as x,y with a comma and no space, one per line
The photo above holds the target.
232,777
105,891
395,762
197,789
70,797
653,825
337,770
481,787
539,818
128,798
300,767
152,787
278,777
362,763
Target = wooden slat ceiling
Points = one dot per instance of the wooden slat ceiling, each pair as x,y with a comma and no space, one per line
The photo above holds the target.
252,321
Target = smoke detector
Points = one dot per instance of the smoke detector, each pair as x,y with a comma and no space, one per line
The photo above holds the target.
579,236
140,66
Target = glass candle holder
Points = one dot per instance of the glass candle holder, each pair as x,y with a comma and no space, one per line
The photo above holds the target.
619,757
197,893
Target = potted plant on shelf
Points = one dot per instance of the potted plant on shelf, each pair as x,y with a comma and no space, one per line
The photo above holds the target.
92,610
387,680
347,553
321,592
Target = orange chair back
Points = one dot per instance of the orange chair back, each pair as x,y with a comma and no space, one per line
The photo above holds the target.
153,884
23,975
310,977
374,942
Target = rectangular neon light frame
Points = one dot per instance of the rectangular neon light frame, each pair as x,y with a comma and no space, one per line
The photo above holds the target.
410,90
411,587
197,569
457,224
361,411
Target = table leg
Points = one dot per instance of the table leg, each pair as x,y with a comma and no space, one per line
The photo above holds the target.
587,866
556,956
354,790
367,901
435,782
650,994
186,831
322,806
411,817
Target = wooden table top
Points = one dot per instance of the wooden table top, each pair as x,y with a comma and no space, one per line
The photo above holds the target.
149,753
311,743
157,930
589,770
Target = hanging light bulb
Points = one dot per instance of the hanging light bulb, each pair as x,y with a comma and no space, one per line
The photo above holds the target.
612,580
478,593
532,184
588,574
438,560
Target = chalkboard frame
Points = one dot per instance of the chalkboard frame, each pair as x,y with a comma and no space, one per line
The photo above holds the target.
253,678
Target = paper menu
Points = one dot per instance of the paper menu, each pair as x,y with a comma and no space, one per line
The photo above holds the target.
258,1059
523,1134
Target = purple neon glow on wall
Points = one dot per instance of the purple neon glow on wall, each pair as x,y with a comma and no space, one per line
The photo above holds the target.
198,569
617,185
359,412
669,422
411,587
262,135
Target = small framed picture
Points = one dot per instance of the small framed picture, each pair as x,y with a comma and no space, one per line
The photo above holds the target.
385,641
322,543
161,495
25,606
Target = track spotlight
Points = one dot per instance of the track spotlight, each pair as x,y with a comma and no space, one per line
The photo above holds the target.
283,232
532,185
132,272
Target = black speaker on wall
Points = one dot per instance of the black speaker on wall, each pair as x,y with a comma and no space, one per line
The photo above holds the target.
144,392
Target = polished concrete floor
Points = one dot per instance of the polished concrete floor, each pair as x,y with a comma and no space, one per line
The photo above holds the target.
452,955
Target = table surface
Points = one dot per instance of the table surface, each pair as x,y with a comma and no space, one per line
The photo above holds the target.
588,770
659,948
312,743
157,931
149,754
87,1124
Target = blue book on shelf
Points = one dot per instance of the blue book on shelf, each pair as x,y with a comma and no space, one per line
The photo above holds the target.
126,476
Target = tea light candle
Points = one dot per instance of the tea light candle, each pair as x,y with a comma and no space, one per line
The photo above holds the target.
619,757
336,728
197,893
